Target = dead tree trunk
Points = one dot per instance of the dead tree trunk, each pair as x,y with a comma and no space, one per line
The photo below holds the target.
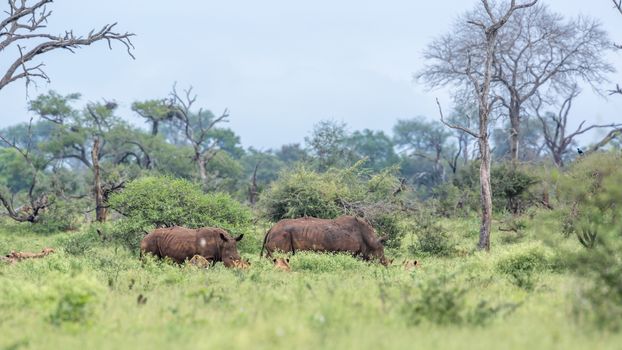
514,112
481,86
100,206
485,193
253,190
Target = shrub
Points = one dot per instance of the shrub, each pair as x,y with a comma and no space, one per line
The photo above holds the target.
75,302
60,216
442,300
520,266
163,202
431,237
79,243
510,188
601,293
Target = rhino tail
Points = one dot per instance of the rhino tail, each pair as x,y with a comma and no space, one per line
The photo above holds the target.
265,239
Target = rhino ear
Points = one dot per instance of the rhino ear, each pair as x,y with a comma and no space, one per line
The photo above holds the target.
239,238
383,239
223,237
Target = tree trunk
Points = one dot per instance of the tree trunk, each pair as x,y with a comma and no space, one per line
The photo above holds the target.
100,207
154,127
485,194
514,112
465,150
201,164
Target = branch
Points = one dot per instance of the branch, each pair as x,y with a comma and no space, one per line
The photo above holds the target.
618,89
602,143
69,41
454,126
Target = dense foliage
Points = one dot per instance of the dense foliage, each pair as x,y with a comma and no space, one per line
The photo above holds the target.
350,191
151,202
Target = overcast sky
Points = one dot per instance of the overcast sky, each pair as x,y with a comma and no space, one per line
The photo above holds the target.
278,66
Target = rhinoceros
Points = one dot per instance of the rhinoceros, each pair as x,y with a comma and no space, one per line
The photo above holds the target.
180,244
344,234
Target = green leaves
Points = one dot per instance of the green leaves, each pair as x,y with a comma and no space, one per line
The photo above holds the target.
163,202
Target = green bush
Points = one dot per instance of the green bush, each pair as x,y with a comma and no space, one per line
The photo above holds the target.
431,237
79,243
58,217
521,266
351,191
75,302
591,190
443,300
510,188
163,202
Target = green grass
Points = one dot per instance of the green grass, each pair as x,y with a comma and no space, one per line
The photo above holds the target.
89,301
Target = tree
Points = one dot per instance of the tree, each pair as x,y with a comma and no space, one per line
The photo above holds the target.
426,140
375,146
531,138
558,138
328,143
198,128
23,28
618,6
537,50
86,137
155,112
35,164
292,153
540,52
477,72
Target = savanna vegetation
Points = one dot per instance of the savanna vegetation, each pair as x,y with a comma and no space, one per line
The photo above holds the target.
515,226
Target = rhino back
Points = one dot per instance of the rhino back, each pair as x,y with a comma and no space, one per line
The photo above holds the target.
317,235
177,243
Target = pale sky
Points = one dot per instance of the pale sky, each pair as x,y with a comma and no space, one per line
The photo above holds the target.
279,66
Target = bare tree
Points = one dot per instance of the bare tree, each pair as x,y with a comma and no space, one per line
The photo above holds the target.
536,51
198,128
618,6
558,138
24,29
476,71
37,202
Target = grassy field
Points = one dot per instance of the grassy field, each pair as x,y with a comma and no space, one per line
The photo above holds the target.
516,297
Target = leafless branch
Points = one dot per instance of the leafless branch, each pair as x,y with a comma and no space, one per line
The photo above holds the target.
24,23
38,203
454,126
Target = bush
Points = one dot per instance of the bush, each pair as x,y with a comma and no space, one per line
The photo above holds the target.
592,190
601,293
58,217
510,188
79,243
431,238
520,266
163,202
75,302
442,300
351,191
